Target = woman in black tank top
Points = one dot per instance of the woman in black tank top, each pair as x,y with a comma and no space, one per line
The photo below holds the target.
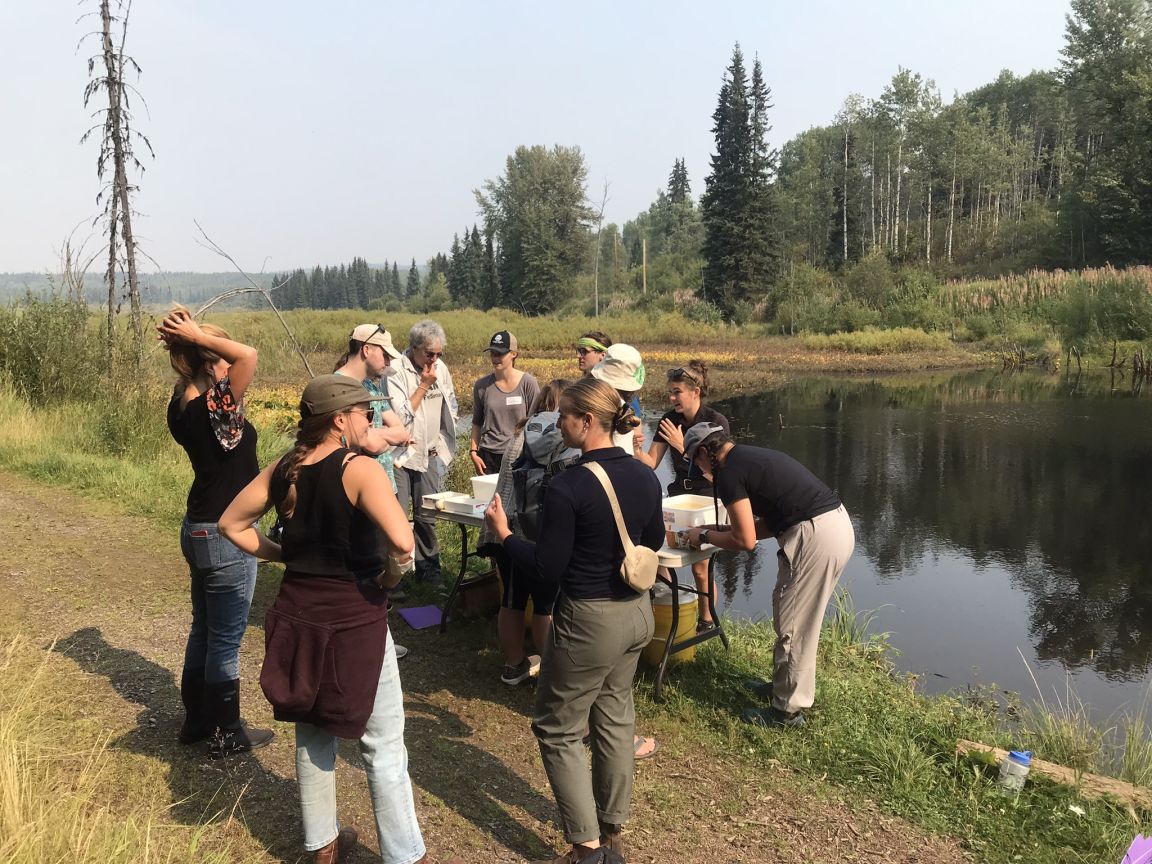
330,665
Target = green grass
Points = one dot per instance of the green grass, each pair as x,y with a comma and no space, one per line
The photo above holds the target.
899,340
873,734
61,796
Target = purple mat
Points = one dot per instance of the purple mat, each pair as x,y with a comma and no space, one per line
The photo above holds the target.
419,617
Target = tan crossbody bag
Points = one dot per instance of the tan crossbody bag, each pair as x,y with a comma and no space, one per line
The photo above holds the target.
640,562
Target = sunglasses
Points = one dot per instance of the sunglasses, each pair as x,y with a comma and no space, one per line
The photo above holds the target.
584,352
682,373
435,355
369,413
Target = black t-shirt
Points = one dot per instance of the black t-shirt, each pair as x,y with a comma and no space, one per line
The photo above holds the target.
219,474
780,490
697,482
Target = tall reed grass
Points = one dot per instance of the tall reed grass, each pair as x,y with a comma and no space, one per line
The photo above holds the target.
59,799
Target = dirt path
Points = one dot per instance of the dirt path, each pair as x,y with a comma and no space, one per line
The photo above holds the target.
111,589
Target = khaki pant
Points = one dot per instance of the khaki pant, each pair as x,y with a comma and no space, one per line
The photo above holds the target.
812,556
586,684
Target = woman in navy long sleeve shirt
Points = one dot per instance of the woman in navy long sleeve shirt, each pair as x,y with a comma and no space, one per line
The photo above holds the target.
600,624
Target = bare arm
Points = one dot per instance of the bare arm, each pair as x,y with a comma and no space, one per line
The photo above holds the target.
741,536
238,521
241,358
369,490
473,446
654,455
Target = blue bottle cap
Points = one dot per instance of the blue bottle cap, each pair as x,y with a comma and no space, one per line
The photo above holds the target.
1024,757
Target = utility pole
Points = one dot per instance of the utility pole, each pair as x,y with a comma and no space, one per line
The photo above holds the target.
644,265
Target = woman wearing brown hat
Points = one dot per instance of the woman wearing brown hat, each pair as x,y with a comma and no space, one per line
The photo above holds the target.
206,417
329,622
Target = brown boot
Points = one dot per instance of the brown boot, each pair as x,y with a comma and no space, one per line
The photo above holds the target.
339,849
611,839
595,856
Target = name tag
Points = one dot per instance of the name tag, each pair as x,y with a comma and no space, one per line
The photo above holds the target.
514,400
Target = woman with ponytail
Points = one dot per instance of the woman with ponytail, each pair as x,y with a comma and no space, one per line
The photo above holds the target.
599,625
330,662
687,387
206,418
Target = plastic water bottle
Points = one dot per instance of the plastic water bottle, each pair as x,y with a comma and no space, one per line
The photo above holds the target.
1013,770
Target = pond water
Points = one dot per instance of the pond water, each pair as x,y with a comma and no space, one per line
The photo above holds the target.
1003,526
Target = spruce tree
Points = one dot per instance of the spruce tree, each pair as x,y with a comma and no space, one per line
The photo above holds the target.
740,239
679,189
413,287
397,288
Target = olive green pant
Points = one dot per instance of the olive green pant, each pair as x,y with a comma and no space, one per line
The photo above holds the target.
812,556
586,685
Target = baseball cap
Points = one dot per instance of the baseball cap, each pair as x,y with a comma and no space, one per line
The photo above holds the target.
327,393
502,342
375,334
621,367
696,436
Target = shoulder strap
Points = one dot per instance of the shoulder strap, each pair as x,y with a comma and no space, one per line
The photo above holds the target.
601,475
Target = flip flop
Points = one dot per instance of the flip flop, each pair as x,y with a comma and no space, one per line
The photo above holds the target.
639,742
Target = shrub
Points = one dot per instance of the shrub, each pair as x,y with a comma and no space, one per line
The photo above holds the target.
47,351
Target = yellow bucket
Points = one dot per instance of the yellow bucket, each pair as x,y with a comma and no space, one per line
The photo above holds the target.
662,614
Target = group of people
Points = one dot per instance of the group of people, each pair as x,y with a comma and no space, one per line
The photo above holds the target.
374,438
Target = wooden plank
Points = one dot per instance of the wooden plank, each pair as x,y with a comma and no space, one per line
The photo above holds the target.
1091,785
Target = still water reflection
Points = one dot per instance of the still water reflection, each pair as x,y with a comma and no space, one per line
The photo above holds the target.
999,519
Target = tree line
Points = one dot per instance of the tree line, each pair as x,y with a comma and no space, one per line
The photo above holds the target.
901,191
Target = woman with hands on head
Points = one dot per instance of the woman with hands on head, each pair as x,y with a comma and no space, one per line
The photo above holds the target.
206,417
687,387
330,664
599,625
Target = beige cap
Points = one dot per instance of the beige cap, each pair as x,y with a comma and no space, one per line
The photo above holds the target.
375,334
621,367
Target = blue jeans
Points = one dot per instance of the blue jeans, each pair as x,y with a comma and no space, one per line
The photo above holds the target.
386,763
223,579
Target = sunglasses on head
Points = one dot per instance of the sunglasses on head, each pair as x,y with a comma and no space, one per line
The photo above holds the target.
681,373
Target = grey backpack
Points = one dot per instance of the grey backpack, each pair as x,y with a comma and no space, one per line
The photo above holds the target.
544,456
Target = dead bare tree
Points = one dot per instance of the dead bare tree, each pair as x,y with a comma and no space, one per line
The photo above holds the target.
596,265
209,243
117,139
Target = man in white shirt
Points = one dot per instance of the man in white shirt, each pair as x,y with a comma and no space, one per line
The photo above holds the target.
423,395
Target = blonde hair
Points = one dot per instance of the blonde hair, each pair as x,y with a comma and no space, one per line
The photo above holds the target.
600,399
187,360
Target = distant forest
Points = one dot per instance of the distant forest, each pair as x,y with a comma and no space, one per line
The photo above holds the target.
899,194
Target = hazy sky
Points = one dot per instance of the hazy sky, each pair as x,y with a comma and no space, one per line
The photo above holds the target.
314,132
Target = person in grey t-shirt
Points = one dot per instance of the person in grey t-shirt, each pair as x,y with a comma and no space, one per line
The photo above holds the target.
499,402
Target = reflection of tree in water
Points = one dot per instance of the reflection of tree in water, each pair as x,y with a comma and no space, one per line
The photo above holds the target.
1004,469
734,570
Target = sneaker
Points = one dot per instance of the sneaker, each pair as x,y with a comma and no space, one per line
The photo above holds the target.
703,626
401,652
759,687
771,718
522,671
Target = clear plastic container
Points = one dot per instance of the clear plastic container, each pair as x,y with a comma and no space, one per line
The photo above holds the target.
1014,770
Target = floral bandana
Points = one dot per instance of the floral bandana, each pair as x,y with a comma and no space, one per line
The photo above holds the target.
225,414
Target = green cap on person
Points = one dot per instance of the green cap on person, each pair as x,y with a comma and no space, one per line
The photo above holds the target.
327,393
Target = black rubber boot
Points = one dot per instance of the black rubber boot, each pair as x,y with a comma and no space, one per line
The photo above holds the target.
233,735
197,725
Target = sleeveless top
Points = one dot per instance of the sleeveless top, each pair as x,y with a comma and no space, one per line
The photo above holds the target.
327,535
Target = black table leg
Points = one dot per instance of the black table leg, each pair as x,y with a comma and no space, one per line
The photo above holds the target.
464,556
670,647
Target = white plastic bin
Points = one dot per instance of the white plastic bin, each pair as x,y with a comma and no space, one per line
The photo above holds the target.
484,486
682,512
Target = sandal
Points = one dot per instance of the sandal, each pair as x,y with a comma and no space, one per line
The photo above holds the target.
639,745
